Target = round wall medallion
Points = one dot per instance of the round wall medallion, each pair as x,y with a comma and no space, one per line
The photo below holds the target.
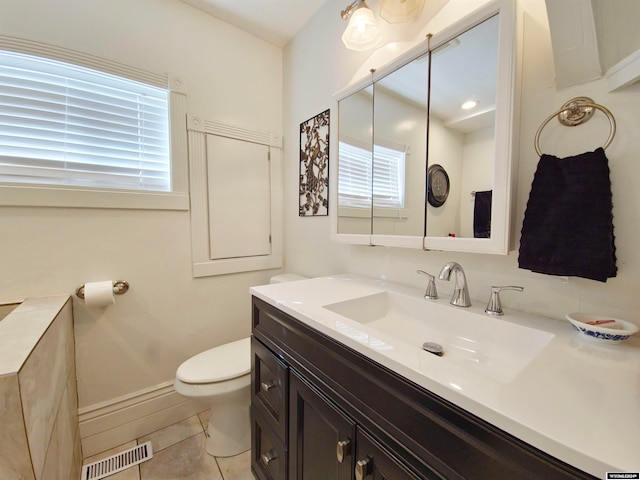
437,185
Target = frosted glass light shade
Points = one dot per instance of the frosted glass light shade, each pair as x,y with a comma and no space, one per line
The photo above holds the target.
398,11
362,32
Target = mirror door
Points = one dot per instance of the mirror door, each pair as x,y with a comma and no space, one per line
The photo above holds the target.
355,163
462,133
471,124
399,154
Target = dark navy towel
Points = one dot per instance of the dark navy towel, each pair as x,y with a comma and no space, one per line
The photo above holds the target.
568,223
482,215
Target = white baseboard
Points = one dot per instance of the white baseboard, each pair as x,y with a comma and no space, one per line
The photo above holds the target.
110,424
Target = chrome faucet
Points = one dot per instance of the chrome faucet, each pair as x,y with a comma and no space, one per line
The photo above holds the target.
494,307
460,297
431,293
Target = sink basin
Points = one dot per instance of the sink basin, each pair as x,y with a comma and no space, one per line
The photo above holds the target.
490,346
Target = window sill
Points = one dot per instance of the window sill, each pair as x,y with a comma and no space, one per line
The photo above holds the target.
378,212
29,196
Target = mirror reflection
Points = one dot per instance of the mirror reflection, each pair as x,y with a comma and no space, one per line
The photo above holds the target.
355,162
399,151
462,133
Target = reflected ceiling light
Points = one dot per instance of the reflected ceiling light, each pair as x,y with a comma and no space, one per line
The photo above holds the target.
362,32
398,11
469,104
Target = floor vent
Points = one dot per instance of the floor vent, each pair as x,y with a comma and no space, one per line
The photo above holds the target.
116,463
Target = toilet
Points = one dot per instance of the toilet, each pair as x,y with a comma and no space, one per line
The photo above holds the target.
221,376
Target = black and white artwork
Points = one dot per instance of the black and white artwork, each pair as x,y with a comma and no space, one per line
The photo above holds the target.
314,166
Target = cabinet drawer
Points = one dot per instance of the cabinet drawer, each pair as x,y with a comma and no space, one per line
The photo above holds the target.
374,462
269,456
269,387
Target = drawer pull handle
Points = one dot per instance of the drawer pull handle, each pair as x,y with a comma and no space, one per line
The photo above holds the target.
267,386
343,449
269,457
363,468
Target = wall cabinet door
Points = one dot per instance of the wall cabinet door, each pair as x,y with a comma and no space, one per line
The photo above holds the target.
321,437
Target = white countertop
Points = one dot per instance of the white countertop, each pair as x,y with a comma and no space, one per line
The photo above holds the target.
577,400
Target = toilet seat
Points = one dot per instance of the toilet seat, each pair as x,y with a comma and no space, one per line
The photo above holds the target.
217,364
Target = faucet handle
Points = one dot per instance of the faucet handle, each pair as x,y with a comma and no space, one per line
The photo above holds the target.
431,293
494,307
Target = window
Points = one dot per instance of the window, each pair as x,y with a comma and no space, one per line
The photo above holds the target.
355,174
67,125
81,131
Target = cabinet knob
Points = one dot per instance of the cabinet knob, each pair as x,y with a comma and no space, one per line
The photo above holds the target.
266,386
343,449
363,468
268,457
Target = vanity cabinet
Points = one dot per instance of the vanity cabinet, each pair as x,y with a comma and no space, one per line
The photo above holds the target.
336,414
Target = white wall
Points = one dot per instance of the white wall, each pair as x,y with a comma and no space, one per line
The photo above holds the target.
317,65
446,148
167,316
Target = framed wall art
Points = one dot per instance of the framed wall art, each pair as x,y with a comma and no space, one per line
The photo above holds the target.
314,166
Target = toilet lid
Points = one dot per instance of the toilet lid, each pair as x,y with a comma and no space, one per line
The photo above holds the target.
217,364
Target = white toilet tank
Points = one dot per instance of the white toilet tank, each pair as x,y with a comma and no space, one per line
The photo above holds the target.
286,277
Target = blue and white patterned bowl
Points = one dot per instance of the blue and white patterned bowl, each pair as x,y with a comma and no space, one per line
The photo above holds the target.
612,333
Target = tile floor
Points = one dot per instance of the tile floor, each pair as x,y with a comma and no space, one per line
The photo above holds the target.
179,454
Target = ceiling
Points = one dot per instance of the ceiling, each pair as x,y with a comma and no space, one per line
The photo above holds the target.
275,21
278,21
464,68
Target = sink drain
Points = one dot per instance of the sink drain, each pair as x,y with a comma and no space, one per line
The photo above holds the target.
434,348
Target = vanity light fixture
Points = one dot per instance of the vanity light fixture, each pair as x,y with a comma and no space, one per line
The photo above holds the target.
399,11
469,104
362,32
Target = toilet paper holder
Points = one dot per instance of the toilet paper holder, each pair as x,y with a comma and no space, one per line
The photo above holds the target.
119,287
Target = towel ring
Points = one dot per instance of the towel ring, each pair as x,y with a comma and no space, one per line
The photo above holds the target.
576,112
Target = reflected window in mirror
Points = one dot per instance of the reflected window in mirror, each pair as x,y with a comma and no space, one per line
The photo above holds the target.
355,146
400,125
354,171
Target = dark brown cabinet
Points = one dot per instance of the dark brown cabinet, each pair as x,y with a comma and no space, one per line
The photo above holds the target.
321,437
375,463
322,411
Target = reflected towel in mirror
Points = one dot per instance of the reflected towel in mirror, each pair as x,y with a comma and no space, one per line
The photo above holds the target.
482,214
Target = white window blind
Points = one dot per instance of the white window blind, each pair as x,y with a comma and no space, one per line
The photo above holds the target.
354,175
388,177
62,124
356,172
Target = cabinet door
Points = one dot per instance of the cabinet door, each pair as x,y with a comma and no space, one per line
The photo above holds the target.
374,462
321,437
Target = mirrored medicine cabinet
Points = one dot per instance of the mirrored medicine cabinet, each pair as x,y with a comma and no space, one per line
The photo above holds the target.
417,170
